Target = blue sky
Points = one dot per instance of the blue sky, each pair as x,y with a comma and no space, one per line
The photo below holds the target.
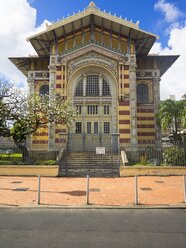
20,19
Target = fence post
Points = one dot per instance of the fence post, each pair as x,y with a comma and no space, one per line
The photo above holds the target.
39,187
184,187
87,196
136,191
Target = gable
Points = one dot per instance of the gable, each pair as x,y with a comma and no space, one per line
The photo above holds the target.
92,18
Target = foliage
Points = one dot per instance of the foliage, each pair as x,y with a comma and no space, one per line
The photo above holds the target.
27,114
22,115
172,114
143,159
46,162
174,155
41,110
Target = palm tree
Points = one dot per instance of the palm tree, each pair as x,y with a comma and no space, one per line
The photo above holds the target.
172,114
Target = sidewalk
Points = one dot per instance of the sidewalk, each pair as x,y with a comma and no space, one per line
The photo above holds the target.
116,192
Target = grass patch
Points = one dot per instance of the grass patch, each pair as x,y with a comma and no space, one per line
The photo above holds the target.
11,157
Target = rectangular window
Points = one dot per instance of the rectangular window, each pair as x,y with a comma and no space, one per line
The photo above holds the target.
95,127
78,127
88,127
106,109
79,109
106,127
92,109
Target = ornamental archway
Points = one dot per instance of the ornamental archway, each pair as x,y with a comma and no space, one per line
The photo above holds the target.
93,90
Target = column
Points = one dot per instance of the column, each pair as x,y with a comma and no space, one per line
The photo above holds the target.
84,85
31,91
100,84
31,86
133,103
51,128
156,96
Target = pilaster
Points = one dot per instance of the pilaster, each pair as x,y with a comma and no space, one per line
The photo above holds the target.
133,102
31,83
156,91
51,128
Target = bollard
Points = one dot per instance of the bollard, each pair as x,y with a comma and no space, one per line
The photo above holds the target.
136,191
87,200
38,193
184,188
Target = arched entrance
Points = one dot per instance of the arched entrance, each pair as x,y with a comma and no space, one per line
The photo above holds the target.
93,90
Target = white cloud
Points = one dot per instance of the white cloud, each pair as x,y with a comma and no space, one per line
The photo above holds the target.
170,11
17,22
173,82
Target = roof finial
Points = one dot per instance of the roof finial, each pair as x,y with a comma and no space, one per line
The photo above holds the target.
92,5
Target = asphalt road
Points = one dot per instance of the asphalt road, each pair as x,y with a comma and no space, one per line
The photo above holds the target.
91,228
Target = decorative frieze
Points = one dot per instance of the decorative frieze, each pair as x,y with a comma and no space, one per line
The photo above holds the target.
39,75
55,60
92,58
143,74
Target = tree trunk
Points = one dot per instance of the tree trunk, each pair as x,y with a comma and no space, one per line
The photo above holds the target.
22,147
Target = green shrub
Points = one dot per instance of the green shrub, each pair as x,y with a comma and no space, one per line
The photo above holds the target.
11,162
45,162
174,156
11,157
2,162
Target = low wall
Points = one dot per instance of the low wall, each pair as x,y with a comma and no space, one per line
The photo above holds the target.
21,170
127,171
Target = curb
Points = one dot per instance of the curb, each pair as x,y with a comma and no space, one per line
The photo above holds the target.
94,207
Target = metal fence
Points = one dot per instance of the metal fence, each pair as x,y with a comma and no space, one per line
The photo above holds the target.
173,154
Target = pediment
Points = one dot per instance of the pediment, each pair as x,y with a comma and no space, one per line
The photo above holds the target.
93,58
93,48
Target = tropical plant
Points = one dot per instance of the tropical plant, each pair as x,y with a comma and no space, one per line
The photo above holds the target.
172,114
174,155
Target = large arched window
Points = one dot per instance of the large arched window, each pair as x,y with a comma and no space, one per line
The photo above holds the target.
142,94
44,90
93,85
105,88
79,88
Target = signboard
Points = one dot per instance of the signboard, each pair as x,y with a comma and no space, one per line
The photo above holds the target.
100,150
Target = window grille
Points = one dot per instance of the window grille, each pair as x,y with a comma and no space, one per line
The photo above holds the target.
106,127
92,109
78,127
95,127
106,109
142,94
79,88
44,90
79,109
92,85
106,89
88,127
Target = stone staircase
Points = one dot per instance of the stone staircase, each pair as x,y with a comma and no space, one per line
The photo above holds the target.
81,164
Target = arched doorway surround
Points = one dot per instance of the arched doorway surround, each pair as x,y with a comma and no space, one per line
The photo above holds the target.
93,90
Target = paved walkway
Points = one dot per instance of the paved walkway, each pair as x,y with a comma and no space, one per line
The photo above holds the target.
22,191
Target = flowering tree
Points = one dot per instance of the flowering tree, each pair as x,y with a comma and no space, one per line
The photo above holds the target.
22,115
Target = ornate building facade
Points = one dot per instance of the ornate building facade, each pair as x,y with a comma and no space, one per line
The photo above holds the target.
101,62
